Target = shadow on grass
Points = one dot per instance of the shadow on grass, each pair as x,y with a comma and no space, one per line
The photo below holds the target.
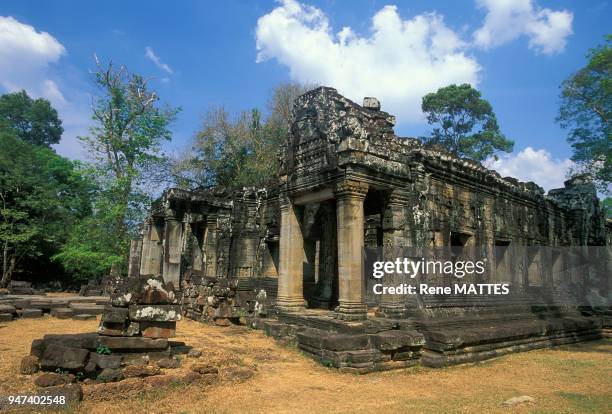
585,403
599,346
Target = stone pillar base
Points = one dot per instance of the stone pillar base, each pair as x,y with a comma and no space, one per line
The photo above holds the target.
391,311
284,304
351,311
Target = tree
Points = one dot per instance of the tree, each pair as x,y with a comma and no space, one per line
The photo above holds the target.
586,111
125,144
464,123
33,120
41,197
242,150
125,141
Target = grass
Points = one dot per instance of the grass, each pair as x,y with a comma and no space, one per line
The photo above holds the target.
571,379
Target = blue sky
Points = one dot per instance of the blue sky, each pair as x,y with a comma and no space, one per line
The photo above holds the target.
232,53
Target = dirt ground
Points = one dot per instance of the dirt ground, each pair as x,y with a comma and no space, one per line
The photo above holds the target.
571,379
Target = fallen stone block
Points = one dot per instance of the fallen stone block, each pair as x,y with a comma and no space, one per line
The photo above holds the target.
83,317
87,308
105,361
84,340
110,375
6,317
132,343
7,308
61,313
63,357
158,313
31,313
21,303
45,305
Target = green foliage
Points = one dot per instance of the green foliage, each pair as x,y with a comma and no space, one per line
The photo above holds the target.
586,111
125,144
103,350
92,246
41,196
33,120
607,206
464,123
242,150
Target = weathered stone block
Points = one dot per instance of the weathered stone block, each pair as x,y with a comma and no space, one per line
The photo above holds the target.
6,308
345,342
87,309
362,356
6,317
158,329
160,313
84,340
396,339
118,342
63,357
311,337
110,375
61,313
31,313
114,314
105,361
84,317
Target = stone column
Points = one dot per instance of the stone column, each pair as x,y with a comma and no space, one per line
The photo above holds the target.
210,245
172,251
350,225
290,296
152,254
394,221
135,255
146,247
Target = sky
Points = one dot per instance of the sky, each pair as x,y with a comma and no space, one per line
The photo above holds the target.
201,54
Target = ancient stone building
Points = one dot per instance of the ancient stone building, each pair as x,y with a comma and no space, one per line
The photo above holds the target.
293,254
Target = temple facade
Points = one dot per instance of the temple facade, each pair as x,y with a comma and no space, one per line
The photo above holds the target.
291,256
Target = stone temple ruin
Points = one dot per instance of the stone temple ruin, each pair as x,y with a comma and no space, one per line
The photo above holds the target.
289,258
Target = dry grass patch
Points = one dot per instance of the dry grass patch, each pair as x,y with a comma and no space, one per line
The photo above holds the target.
569,379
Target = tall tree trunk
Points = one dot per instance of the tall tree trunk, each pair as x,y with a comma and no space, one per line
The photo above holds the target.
7,269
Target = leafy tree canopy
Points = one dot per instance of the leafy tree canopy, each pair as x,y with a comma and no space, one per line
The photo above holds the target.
241,150
586,111
33,120
41,196
464,123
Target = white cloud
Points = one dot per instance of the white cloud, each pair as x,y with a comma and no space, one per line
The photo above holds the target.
533,165
25,56
399,62
150,54
507,20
